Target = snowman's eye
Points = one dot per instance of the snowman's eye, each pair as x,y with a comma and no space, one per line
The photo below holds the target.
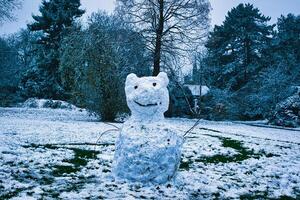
135,87
154,84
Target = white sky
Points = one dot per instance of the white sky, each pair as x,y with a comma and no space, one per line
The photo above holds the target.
32,7
273,8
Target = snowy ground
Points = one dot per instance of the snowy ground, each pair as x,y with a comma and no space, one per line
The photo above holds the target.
224,160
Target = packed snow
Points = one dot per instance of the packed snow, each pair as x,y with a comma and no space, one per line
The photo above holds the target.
147,150
48,103
51,154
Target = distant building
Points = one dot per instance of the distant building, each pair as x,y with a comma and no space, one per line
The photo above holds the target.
195,90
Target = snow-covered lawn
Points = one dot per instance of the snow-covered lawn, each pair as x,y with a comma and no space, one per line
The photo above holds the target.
39,159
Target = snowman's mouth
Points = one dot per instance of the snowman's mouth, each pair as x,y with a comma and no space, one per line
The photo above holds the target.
146,105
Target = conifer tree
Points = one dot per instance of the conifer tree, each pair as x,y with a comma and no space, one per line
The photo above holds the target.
235,47
57,16
283,61
287,38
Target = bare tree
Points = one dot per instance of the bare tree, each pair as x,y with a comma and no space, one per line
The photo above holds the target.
170,27
7,7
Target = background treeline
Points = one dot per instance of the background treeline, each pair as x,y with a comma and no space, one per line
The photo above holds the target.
249,64
56,58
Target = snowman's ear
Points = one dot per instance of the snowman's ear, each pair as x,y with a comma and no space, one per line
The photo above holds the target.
131,78
163,77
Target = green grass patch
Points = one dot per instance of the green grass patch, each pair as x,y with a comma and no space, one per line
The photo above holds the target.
11,194
72,165
185,165
80,159
243,153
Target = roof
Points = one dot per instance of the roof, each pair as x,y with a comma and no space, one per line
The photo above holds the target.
195,89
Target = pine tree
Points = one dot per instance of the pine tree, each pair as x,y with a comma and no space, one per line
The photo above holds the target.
288,34
286,49
283,61
236,47
57,16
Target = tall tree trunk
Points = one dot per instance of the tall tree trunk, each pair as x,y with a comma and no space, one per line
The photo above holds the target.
247,57
158,42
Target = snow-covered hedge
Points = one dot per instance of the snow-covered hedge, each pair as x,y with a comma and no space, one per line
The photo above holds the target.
287,112
48,103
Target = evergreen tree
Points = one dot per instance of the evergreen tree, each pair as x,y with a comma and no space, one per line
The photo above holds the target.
255,66
283,60
288,35
281,69
235,48
57,16
286,51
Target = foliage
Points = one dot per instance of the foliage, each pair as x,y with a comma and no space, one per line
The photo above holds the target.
23,42
287,112
249,65
55,19
10,72
103,55
24,57
9,62
235,48
252,63
17,55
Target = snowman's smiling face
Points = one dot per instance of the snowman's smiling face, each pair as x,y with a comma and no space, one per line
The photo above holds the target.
147,95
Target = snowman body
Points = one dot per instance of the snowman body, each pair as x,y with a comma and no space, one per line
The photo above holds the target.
146,149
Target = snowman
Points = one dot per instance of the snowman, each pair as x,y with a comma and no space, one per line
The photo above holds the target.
147,150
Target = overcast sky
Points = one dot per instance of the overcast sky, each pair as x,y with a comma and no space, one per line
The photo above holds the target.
272,8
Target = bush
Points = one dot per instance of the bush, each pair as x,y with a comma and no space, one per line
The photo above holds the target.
9,96
287,112
95,63
48,103
220,105
35,84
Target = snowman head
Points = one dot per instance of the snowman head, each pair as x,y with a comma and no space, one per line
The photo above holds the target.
147,95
